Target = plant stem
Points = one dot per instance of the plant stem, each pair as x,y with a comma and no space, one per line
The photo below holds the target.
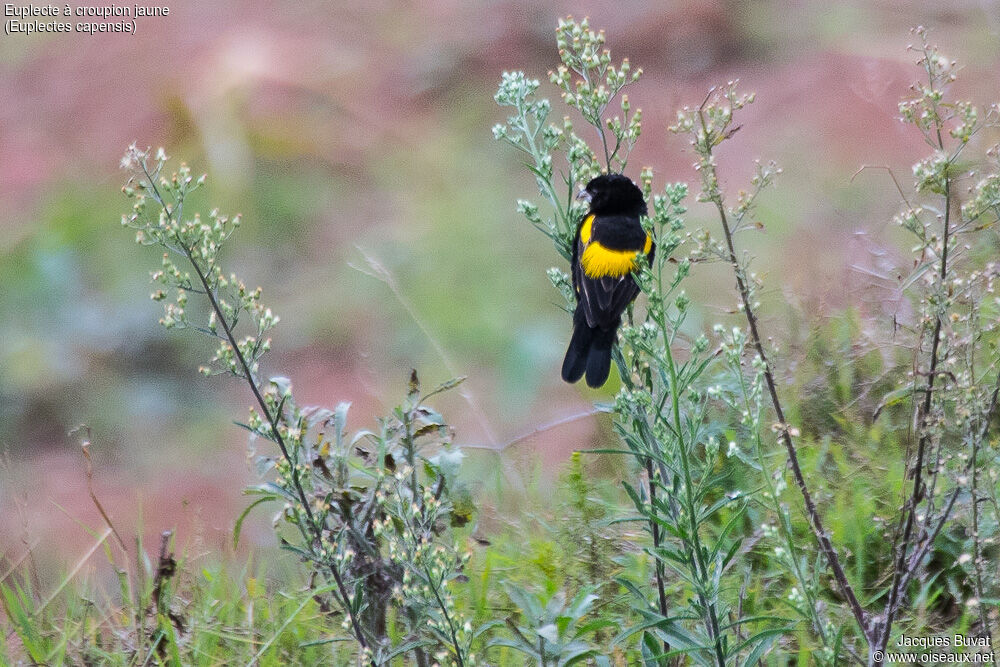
271,419
780,514
816,523
919,553
651,443
411,458
701,568
595,120
910,510
539,157
977,566
661,590
447,618
975,510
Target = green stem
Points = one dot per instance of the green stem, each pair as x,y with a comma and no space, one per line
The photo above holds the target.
655,526
447,618
271,418
701,568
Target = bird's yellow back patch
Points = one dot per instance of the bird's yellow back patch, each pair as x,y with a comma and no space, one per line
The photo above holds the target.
600,262
586,229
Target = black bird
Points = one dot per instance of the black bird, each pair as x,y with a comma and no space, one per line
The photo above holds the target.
607,249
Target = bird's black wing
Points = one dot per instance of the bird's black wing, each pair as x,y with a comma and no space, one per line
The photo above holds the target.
574,261
603,300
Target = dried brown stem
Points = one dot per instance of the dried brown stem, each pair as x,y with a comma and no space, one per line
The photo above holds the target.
815,521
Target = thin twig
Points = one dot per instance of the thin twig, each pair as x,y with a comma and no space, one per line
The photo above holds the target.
892,175
85,448
977,565
816,523
538,430
447,618
927,541
262,404
916,495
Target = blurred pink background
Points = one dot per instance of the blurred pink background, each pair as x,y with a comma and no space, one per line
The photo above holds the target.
343,131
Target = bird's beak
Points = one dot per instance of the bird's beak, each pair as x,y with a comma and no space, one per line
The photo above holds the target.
583,195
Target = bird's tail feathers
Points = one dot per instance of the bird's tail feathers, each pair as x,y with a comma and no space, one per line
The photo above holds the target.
575,362
589,353
599,357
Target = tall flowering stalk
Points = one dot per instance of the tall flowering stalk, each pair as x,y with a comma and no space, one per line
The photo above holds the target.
664,411
372,512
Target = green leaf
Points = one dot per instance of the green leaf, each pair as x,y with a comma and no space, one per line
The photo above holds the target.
288,546
170,637
575,652
243,515
894,397
485,627
405,648
448,461
527,603
762,642
581,604
270,489
13,602
340,423
595,625
549,632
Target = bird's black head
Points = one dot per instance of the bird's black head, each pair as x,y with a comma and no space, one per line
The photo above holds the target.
614,194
